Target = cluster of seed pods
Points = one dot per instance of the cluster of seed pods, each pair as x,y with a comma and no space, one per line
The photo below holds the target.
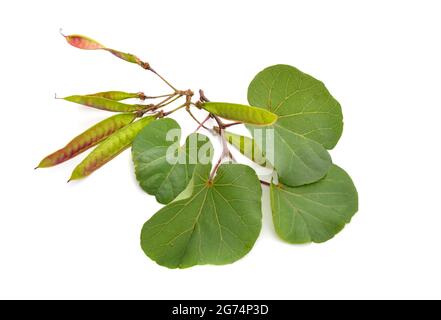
115,134
88,139
110,136
110,148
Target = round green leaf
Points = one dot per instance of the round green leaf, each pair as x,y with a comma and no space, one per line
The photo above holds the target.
218,224
152,151
315,212
309,122
303,104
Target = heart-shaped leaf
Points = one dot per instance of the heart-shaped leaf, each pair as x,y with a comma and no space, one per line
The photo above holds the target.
310,121
163,167
218,224
315,212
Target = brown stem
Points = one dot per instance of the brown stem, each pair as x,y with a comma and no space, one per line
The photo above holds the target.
165,100
163,79
265,183
202,96
163,104
144,97
213,172
225,150
195,119
147,108
232,124
201,124
164,114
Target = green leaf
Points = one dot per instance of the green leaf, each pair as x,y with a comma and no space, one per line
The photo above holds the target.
297,160
238,112
218,224
163,168
303,104
310,121
315,212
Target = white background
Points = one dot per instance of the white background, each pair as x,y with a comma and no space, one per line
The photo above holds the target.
380,59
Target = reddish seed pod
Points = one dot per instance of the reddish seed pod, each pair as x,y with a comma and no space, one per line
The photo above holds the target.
110,148
88,139
86,43
83,42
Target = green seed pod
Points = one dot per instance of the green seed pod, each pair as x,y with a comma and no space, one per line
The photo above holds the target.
118,95
246,146
88,139
238,112
126,56
104,104
110,148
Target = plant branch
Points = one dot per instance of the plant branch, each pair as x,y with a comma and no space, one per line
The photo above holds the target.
165,114
213,172
225,150
163,79
202,96
195,119
144,97
165,100
201,124
165,103
232,124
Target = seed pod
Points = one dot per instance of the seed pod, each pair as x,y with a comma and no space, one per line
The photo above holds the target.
110,148
88,139
125,56
83,42
86,43
238,112
118,95
104,104
246,146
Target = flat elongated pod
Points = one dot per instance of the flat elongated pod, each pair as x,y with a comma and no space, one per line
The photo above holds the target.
110,148
246,146
83,42
101,103
118,95
88,139
86,43
239,112
125,56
